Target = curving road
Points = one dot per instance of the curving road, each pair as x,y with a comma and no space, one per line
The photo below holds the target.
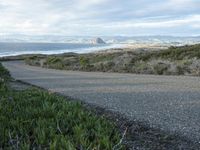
171,103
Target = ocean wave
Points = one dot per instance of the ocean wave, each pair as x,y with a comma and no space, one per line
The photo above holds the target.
59,51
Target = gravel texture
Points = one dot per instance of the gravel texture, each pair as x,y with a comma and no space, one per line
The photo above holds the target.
169,103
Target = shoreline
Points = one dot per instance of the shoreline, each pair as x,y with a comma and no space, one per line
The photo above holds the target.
116,48
79,50
98,48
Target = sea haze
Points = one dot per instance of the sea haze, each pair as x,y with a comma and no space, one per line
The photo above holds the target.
12,45
12,49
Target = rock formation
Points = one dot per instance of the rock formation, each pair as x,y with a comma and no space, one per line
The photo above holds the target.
98,41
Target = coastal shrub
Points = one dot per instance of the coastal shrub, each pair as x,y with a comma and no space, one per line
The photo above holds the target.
4,73
34,57
161,68
37,63
99,67
33,60
180,70
71,63
173,61
173,53
142,68
108,65
103,57
84,63
195,67
180,53
53,59
4,78
54,62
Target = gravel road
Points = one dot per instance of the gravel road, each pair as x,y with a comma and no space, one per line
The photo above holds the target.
171,103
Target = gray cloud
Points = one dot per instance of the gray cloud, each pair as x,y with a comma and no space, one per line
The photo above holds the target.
100,17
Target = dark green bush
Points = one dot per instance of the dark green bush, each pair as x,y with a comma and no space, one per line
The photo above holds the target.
4,73
161,68
52,60
180,70
84,61
173,53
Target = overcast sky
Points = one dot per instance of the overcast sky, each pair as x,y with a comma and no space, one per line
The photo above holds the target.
100,17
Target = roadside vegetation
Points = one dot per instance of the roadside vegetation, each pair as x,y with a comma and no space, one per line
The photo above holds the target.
35,119
4,74
183,60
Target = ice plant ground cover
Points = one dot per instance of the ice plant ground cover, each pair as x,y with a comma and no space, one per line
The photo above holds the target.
35,118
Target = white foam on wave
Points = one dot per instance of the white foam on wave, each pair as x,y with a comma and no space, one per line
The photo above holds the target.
50,52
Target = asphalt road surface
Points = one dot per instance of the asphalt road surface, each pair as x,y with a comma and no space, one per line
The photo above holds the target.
171,103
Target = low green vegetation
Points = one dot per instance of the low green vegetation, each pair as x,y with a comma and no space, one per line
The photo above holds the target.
183,60
35,119
173,53
4,74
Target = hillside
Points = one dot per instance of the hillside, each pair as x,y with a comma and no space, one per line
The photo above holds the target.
183,60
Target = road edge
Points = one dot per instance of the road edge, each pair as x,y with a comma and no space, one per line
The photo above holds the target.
137,135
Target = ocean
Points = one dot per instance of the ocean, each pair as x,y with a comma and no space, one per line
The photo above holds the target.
13,49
